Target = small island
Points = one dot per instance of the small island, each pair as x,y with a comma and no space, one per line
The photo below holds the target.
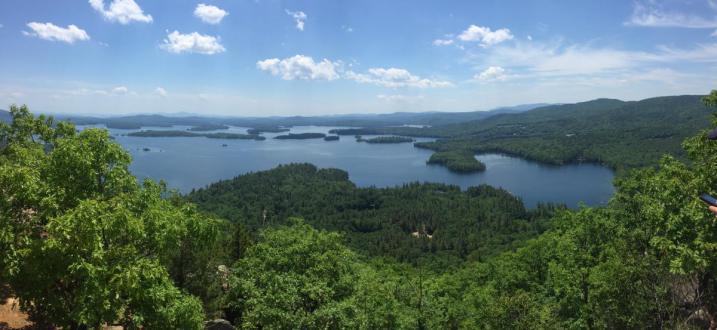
229,136
259,130
207,127
331,138
460,161
356,131
385,139
301,136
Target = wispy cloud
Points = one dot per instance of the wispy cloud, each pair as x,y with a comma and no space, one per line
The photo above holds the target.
120,90
394,78
52,32
557,64
442,42
654,14
160,91
400,98
299,17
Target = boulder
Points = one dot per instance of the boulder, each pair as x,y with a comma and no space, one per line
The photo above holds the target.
218,324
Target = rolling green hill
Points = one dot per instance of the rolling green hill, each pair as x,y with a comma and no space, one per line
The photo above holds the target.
621,135
380,221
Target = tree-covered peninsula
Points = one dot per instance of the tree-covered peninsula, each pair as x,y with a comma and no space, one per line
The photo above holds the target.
259,130
385,139
300,136
207,127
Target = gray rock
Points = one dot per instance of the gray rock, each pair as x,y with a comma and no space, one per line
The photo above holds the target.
218,324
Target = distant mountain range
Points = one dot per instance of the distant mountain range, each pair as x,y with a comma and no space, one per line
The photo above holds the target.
620,134
358,120
5,116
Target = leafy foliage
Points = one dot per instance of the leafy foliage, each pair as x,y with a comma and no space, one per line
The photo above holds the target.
85,245
89,246
297,277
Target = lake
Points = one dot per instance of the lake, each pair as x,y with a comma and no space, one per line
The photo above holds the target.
194,162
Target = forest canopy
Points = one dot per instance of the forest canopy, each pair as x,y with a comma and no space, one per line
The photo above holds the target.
88,245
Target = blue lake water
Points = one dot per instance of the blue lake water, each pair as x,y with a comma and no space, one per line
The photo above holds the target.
194,162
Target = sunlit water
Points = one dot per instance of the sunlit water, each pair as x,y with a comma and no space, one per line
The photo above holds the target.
194,162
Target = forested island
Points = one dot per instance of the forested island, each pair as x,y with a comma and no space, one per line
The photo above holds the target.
461,161
174,133
357,131
300,136
208,127
259,130
331,138
87,245
384,139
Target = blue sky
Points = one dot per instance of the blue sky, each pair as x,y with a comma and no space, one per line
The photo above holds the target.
304,57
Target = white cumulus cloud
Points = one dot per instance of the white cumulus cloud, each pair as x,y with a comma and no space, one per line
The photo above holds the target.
394,78
492,73
300,67
192,43
210,14
121,11
52,32
485,35
299,17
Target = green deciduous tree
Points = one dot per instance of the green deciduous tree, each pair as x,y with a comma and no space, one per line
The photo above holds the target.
295,277
89,246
